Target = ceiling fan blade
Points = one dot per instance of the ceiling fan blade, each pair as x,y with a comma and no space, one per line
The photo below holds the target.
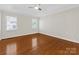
30,7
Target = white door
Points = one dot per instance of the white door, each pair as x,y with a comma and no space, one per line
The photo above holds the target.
35,25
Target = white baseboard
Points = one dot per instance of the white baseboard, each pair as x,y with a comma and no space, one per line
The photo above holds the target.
16,36
61,37
45,34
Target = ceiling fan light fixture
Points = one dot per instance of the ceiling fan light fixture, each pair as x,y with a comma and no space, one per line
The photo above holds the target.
36,7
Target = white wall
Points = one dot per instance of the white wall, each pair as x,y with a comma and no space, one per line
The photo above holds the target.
64,24
24,25
0,26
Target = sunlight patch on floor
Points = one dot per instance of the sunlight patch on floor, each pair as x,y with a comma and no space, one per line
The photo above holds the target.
11,49
34,42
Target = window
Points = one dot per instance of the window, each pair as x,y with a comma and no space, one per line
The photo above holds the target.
11,23
34,23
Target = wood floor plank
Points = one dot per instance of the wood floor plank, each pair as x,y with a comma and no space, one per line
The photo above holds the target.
38,44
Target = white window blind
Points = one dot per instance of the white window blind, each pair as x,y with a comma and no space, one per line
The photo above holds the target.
11,23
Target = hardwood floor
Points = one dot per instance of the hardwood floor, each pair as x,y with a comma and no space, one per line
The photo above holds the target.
38,44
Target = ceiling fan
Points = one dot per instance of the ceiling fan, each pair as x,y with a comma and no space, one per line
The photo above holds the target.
37,7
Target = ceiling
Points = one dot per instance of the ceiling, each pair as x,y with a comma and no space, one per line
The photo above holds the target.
46,8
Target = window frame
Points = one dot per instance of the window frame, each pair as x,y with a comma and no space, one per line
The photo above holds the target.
9,21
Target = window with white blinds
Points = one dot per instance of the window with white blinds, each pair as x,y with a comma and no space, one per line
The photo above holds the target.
11,23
